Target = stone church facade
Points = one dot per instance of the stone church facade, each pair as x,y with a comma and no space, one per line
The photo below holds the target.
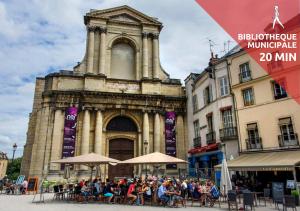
122,94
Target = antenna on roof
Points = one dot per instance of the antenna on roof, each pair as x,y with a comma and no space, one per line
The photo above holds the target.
211,44
228,45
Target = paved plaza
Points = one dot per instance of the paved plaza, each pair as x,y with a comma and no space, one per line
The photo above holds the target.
24,203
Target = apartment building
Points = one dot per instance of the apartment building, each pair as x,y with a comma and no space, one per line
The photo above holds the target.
211,120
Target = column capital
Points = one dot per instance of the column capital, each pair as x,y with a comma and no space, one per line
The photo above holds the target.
155,35
145,34
102,29
91,28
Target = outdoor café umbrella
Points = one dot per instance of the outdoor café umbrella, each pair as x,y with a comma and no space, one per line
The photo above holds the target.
225,184
155,159
91,160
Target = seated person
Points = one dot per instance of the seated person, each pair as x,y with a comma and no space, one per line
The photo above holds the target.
214,194
162,193
131,193
177,196
108,191
23,187
85,191
147,193
96,188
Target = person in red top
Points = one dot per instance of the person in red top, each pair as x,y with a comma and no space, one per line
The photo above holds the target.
131,193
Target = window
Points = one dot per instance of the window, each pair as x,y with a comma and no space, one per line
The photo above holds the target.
123,61
245,73
248,97
224,89
196,129
207,95
210,122
253,137
195,103
287,132
227,119
279,90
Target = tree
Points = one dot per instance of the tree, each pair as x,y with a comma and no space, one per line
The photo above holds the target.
13,168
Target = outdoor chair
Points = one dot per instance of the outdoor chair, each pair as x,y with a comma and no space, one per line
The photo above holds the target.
289,202
266,196
248,200
278,199
232,200
57,193
195,199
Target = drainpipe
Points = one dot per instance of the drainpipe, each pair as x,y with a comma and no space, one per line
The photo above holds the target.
236,116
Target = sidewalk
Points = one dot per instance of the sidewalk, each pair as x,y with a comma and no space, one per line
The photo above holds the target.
24,203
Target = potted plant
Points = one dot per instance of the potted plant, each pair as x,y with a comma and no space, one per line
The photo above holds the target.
295,193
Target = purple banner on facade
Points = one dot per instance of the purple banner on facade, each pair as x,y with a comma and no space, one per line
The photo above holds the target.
68,149
170,136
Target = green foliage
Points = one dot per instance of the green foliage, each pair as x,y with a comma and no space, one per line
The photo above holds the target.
13,168
295,193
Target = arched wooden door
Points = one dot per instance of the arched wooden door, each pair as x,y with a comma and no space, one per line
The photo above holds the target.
120,149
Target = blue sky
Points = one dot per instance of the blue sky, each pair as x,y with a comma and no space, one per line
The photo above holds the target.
42,36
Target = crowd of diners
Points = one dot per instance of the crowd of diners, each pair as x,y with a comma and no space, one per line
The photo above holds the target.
162,191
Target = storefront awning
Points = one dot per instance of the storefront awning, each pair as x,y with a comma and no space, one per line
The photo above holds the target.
264,161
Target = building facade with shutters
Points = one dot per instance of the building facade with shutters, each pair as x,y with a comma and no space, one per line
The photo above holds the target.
121,94
211,119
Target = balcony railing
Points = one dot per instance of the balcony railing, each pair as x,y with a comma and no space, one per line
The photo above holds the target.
254,144
197,142
228,133
244,78
288,140
211,137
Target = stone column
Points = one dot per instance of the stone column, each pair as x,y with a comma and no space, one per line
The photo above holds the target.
146,131
57,139
145,55
98,133
102,50
85,135
155,56
156,133
90,50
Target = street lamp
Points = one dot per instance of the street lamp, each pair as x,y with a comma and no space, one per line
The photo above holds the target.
15,146
145,152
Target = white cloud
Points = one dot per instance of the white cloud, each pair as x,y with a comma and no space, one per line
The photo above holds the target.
41,36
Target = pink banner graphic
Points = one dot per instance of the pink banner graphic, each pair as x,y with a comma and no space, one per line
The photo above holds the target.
170,135
69,132
269,31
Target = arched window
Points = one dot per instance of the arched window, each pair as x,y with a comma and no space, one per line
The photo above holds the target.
122,61
121,123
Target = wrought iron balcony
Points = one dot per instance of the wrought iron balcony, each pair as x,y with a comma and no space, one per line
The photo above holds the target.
211,137
228,133
288,140
197,142
254,144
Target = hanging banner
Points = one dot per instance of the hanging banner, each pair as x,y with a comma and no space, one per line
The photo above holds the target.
68,149
170,136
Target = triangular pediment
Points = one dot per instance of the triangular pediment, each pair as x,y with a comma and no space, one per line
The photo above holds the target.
123,14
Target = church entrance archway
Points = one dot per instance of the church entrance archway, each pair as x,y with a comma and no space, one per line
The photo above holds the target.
121,148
